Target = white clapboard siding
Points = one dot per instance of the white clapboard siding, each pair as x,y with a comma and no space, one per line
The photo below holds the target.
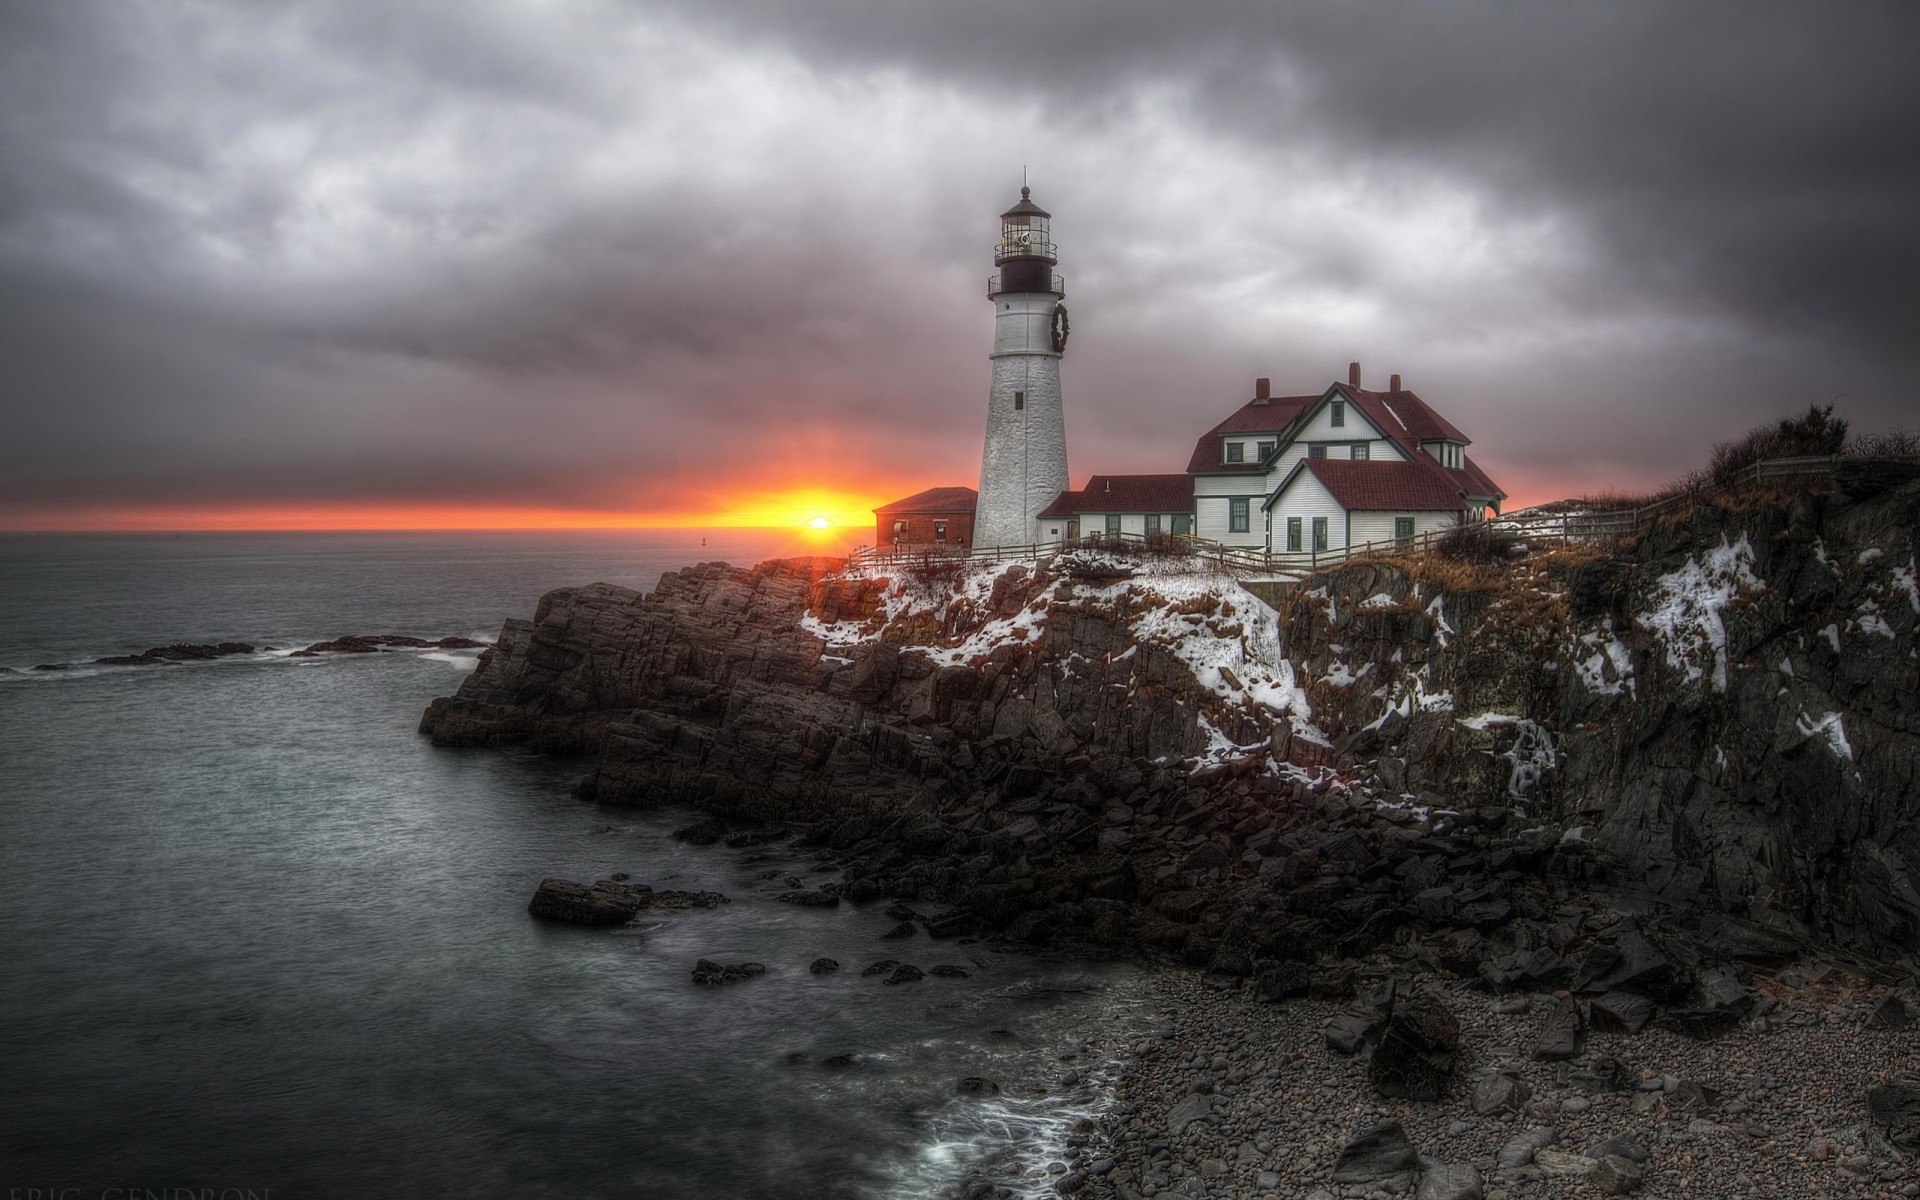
1306,497
1378,526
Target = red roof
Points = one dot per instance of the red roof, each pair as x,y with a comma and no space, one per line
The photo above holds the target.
1134,494
1374,485
945,499
1275,416
1405,416
1062,506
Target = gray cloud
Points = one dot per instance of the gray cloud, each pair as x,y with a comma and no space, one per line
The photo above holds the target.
599,255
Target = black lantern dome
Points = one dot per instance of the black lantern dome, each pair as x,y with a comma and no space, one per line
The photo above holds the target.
1025,253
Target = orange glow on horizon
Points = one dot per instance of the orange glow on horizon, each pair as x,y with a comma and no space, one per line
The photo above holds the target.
800,509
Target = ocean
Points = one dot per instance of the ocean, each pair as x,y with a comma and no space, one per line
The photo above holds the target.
260,938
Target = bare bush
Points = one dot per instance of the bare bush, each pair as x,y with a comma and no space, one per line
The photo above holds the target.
1890,443
1473,544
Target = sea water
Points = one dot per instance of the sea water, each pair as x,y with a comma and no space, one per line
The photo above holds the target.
259,936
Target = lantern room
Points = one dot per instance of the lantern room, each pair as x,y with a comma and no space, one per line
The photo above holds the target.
1024,232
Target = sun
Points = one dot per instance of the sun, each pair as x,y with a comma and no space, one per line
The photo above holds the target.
821,523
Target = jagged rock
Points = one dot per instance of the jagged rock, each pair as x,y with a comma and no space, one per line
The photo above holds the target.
905,973
1380,1155
1621,1012
1450,1181
1895,1107
1347,1030
904,929
1560,1036
1500,1092
976,1085
1414,1058
881,967
1890,1015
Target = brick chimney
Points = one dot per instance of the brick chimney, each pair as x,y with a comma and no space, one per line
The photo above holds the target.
1353,375
1394,386
1262,390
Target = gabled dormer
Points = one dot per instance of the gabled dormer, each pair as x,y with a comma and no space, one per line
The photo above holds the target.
1448,453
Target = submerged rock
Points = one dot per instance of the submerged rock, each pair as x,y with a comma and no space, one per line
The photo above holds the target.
604,903
708,973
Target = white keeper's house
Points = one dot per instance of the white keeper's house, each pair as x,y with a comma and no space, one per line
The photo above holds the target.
1290,474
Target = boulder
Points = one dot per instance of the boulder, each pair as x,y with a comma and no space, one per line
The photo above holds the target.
1621,1012
1560,1037
1617,1175
823,966
1520,1149
1450,1181
906,973
1414,1058
1895,1107
1500,1092
1890,1015
1195,1107
708,973
604,903
810,899
1380,1155
1282,981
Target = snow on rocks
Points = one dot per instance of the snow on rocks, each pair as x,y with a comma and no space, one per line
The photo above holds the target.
1608,669
1688,605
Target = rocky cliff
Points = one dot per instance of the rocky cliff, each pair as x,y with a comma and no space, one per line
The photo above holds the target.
1712,731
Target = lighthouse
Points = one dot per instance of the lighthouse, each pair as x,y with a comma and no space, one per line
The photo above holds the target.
1024,466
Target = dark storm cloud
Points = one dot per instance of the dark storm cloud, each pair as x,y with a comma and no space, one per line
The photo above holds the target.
1762,158
598,254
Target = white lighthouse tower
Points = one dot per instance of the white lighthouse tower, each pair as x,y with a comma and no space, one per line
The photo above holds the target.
1024,466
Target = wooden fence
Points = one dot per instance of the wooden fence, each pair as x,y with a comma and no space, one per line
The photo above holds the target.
1593,527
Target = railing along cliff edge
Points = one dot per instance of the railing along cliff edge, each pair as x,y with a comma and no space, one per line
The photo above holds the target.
1562,527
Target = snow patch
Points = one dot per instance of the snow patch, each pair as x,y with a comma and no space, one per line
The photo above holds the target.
1689,603
1829,729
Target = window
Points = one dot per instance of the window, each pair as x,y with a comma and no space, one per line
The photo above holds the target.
1261,450
1316,451
939,531
1236,452
1237,514
1183,524
1153,522
1337,414
1362,451
1403,530
1456,455
1293,534
1319,533
1113,523
1019,401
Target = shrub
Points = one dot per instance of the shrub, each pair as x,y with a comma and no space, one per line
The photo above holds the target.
1891,443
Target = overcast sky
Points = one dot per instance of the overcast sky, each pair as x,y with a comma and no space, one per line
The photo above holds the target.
580,255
